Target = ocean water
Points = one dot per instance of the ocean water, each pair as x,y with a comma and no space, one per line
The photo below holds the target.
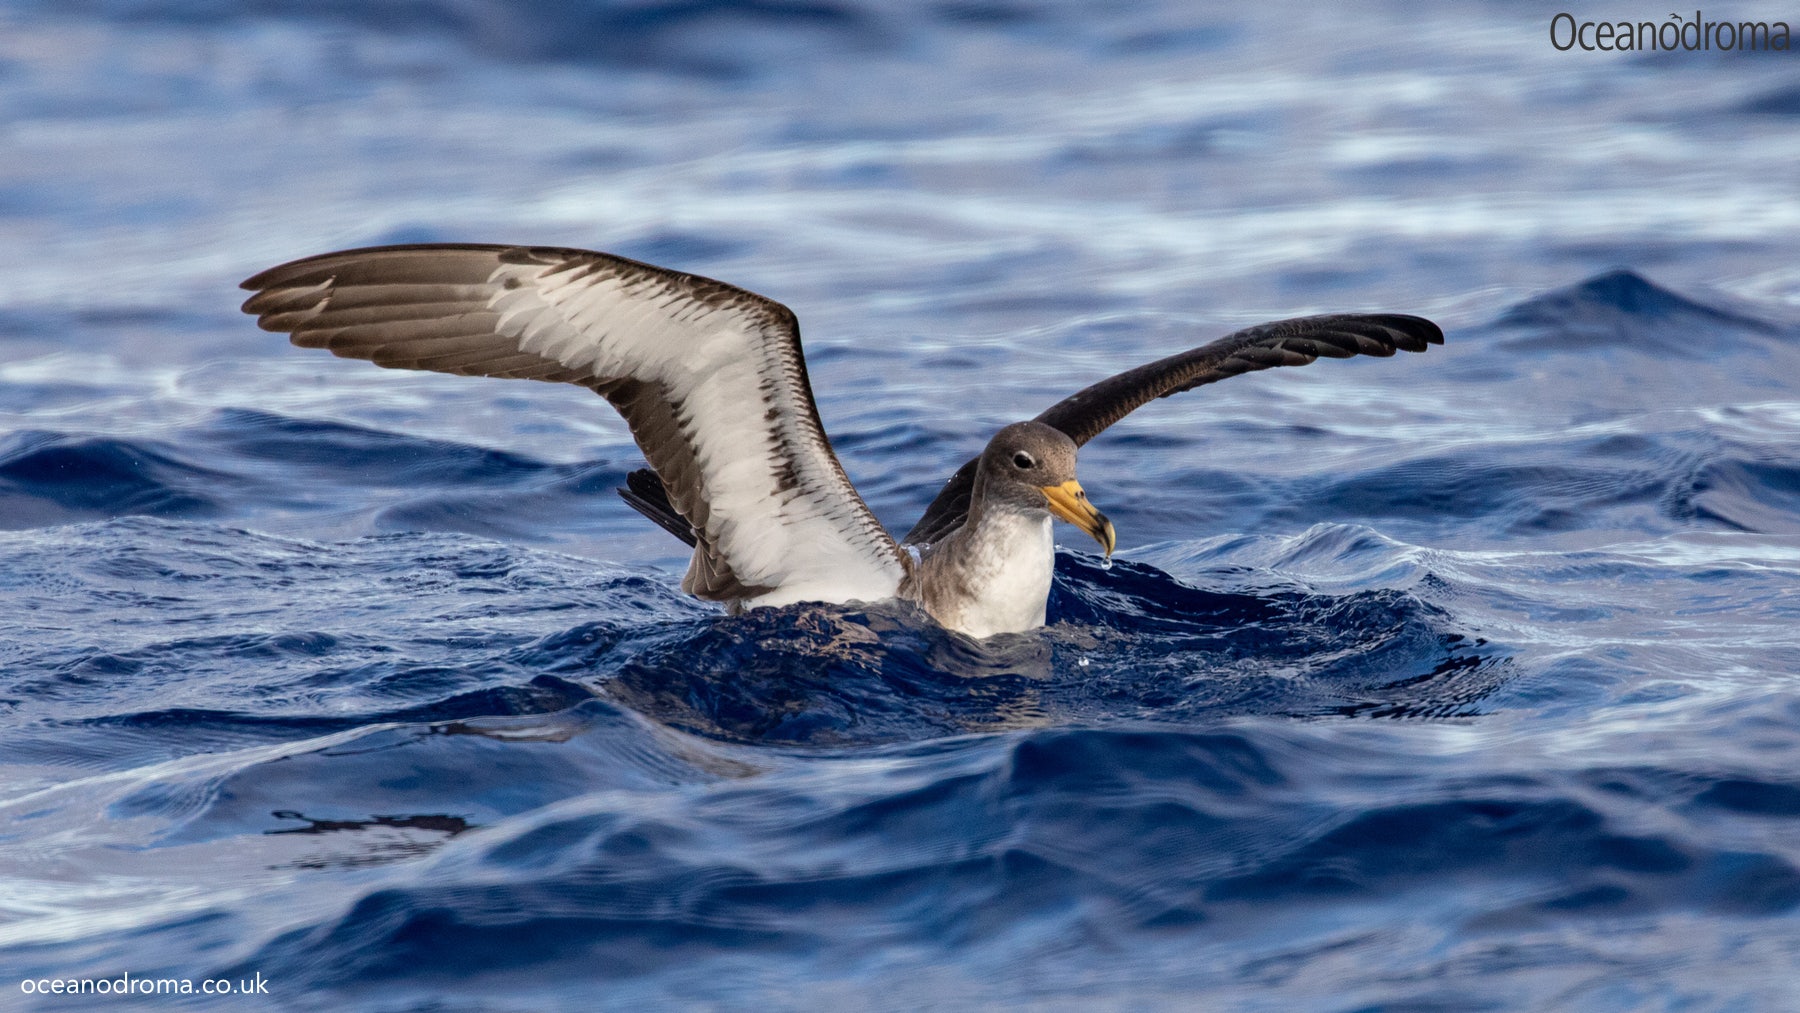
1467,680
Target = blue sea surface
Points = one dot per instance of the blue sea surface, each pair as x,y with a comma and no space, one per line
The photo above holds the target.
1459,681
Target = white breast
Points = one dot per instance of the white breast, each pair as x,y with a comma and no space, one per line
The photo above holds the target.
1005,574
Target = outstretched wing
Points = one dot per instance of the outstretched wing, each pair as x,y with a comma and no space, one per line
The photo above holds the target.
710,378
1086,413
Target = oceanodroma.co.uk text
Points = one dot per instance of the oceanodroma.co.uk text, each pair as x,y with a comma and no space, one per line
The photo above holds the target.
127,985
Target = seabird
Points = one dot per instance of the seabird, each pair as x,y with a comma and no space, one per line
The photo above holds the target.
712,382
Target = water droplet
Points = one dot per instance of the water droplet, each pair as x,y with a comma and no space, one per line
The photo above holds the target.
1106,563
1083,663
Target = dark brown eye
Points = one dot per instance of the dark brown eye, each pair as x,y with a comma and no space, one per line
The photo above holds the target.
1023,460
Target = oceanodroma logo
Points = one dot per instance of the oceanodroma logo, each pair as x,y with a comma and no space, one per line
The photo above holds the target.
1677,33
127,985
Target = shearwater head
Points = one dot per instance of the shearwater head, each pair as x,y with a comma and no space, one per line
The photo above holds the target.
1029,467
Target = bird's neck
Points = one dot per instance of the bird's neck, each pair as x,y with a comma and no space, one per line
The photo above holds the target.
983,503
993,575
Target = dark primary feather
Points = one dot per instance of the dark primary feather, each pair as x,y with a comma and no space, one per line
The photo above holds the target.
644,492
1087,412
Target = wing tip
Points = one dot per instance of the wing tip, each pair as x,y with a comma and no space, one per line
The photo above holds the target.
1425,330
1404,332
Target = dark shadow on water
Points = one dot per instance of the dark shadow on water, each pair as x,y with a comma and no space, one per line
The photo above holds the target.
447,825
378,840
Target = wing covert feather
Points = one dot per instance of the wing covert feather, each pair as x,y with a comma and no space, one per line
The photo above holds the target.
710,378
